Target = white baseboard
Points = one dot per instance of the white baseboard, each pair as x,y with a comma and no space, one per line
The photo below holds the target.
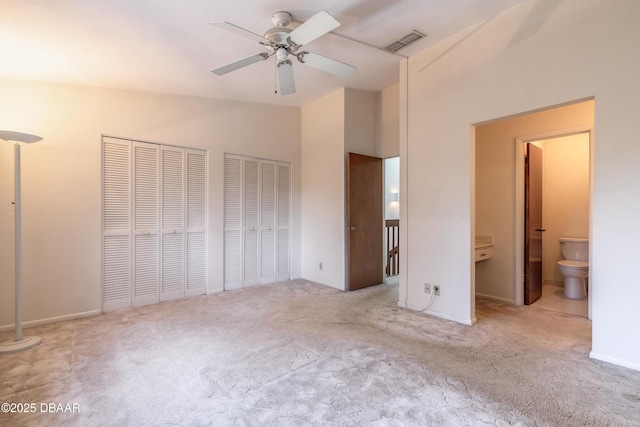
39,322
329,284
615,361
491,297
468,322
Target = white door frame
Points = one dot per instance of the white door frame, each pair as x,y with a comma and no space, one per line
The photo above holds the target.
519,200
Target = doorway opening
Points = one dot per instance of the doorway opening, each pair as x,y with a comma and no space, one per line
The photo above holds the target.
391,260
373,216
498,200
563,176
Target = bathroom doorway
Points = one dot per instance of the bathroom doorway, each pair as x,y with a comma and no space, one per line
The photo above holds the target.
499,192
564,195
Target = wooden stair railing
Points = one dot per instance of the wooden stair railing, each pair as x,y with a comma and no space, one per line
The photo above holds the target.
393,247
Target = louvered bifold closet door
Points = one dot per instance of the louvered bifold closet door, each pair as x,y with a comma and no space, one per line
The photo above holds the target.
196,214
116,202
172,218
251,224
283,200
232,222
146,230
267,221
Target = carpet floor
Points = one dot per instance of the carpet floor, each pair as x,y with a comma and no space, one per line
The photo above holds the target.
301,354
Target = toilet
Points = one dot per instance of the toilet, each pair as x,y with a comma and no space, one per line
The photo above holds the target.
575,266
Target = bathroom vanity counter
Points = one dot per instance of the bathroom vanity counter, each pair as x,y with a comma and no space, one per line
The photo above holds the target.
484,247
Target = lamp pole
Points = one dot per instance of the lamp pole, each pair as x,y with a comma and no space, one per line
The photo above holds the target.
20,342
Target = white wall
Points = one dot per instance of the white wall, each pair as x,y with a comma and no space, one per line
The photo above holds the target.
62,179
388,141
322,190
342,122
495,192
360,122
565,197
534,55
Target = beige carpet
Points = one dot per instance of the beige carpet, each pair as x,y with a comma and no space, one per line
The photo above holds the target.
297,353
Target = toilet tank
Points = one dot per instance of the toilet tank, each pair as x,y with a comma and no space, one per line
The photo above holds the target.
575,248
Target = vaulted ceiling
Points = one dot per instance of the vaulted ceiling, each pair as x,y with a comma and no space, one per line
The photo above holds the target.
168,46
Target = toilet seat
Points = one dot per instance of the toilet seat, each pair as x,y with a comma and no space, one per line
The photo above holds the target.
573,264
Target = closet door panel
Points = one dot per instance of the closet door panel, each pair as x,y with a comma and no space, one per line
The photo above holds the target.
257,221
146,269
154,223
232,259
251,216
116,272
283,243
116,214
196,264
146,245
283,254
172,267
172,218
232,222
196,214
267,221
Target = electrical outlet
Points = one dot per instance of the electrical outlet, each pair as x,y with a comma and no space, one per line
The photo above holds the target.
427,288
436,290
320,266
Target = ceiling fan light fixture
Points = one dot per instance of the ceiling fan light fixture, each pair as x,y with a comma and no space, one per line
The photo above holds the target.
403,41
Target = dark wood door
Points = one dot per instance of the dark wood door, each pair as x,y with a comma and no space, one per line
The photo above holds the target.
364,221
533,224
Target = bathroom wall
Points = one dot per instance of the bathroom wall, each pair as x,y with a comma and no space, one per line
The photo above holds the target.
495,175
565,197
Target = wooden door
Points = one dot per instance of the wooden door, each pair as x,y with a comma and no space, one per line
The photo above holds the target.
364,221
533,224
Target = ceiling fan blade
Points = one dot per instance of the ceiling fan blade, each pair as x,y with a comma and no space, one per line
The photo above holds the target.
328,65
318,25
240,63
241,31
285,78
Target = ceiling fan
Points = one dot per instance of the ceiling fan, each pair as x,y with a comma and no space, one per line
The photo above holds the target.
282,41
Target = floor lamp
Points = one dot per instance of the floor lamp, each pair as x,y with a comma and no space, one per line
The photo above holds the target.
20,342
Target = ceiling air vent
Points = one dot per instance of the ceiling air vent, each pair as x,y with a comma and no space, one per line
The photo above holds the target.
403,41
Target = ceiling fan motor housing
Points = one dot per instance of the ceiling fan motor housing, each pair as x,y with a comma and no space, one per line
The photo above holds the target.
278,34
281,19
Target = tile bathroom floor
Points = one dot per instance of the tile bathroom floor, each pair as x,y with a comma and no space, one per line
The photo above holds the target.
553,299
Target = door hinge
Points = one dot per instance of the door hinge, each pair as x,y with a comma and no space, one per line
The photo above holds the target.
525,277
